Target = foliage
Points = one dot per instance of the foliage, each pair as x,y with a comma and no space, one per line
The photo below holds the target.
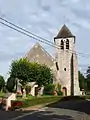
28,71
2,94
10,84
20,69
58,89
82,81
16,105
18,95
88,79
29,96
49,89
2,83
28,89
44,76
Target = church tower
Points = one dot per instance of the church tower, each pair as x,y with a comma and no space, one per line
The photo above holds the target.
66,62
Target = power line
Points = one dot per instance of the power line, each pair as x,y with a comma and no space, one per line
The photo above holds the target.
27,31
27,34
34,36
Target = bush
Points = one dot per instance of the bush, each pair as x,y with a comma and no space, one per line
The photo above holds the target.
18,95
60,93
58,89
28,89
16,105
49,89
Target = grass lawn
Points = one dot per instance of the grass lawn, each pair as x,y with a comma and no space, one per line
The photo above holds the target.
2,94
40,100
48,99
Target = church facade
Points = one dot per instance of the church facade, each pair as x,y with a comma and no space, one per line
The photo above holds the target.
65,63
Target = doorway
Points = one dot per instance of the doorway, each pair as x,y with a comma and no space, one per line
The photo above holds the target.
64,90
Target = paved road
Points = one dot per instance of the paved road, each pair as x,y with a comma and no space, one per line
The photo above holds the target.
70,110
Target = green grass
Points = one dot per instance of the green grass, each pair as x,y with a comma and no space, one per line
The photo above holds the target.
47,99
2,94
40,100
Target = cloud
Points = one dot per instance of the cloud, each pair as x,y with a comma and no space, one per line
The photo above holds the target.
44,18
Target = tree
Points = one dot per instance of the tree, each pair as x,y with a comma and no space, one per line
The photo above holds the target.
44,76
27,71
2,83
20,69
82,81
88,78
10,84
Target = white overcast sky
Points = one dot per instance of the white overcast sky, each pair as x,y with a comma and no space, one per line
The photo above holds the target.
44,18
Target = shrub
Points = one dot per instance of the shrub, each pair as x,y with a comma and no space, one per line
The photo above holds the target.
58,89
16,105
28,89
18,95
49,89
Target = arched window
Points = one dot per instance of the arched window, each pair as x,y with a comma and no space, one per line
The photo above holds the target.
67,44
62,44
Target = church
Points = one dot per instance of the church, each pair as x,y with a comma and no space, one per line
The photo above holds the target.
65,63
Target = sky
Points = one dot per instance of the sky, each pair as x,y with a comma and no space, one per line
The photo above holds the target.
44,18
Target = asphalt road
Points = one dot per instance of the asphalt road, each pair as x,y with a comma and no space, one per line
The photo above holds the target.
69,110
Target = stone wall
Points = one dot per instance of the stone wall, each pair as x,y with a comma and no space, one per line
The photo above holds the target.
63,58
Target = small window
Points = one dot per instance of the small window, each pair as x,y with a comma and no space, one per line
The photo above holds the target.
67,44
62,44
64,69
57,66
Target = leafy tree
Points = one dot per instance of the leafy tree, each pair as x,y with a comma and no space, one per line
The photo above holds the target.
44,76
20,69
82,81
27,71
10,84
30,71
2,83
88,78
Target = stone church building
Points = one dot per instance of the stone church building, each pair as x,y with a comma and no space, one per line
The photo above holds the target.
65,63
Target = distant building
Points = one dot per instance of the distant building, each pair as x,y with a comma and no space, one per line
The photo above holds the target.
65,63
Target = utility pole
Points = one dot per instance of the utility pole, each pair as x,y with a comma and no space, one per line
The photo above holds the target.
72,76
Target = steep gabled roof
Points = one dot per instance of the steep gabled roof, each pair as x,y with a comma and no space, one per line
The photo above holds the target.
40,55
64,32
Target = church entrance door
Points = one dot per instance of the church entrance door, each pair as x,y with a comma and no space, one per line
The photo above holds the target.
64,90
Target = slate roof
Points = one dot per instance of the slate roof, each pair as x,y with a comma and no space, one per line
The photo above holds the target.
40,55
64,32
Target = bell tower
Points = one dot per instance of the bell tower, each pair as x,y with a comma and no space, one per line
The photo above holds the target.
67,62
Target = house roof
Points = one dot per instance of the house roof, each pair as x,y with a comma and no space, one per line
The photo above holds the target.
64,32
40,55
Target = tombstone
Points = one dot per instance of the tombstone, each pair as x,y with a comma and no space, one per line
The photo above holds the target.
7,100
